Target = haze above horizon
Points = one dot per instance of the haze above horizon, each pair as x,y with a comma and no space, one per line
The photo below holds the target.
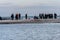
25,3
32,7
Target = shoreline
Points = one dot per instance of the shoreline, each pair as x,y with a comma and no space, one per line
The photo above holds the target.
30,21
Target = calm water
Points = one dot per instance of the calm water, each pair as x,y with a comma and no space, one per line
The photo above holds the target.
46,31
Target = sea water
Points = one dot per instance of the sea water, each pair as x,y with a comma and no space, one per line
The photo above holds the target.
42,31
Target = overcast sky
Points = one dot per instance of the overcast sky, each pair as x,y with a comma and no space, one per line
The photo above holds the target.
24,3
46,6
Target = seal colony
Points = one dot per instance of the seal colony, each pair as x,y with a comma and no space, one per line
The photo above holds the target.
42,18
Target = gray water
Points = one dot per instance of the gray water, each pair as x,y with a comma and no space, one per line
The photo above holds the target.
45,31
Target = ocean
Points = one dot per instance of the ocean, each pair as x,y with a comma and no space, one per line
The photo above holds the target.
42,31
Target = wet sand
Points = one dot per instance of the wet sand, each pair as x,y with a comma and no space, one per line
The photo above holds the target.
30,21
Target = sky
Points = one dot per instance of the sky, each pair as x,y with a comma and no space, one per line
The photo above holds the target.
31,7
23,3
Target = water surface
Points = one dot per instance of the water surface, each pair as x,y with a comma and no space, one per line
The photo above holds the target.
45,31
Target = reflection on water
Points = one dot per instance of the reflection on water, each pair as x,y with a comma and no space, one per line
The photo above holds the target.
45,31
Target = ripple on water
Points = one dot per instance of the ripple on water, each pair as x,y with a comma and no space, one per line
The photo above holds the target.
45,31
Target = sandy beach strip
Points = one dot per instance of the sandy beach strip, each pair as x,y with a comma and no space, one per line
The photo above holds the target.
30,21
